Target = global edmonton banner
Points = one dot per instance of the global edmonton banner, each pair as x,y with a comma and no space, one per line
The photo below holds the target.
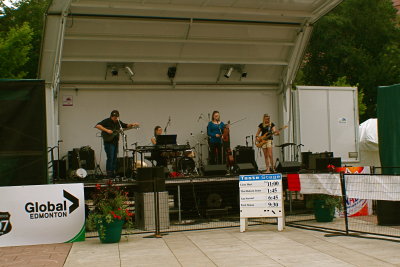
41,214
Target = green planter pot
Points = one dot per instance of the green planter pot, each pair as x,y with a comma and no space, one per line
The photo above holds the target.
322,212
112,231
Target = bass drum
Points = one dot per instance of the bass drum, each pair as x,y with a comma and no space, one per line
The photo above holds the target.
186,165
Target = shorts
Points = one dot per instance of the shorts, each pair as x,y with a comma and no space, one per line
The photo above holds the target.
268,143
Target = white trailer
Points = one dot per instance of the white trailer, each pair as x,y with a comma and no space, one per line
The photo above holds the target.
238,57
326,119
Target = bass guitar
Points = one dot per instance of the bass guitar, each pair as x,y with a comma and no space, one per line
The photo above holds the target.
264,138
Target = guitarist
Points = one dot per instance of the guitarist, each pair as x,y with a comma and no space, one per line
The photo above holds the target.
109,128
266,131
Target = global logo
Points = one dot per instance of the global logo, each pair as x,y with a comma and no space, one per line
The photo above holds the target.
49,209
5,224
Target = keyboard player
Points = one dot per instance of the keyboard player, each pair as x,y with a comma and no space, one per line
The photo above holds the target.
158,155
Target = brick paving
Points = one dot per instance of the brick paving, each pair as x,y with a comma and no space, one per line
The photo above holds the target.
53,255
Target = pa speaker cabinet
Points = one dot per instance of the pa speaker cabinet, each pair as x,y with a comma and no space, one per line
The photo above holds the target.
245,154
126,162
245,168
144,210
289,166
150,179
215,169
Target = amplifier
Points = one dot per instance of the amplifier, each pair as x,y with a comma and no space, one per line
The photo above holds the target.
312,159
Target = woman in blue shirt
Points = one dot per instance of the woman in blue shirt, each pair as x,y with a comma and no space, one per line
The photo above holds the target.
215,128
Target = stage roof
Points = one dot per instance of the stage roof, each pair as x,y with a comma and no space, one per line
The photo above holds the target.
196,41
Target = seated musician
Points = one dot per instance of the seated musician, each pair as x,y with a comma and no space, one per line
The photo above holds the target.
157,155
265,134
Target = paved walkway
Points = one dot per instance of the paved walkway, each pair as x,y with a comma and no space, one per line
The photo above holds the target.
260,246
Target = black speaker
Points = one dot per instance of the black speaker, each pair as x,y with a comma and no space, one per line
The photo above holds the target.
312,159
245,168
244,154
322,163
23,141
128,166
388,212
145,179
289,166
214,169
305,159
60,169
86,156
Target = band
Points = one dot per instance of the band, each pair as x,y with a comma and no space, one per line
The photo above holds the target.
164,149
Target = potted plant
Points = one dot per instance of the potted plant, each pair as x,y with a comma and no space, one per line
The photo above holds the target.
325,206
110,212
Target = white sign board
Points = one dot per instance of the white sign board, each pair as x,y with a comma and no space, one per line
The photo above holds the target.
260,196
41,214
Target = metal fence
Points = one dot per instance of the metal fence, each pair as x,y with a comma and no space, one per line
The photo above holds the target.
213,202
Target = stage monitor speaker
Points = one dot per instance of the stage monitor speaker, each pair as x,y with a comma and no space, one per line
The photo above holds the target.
322,163
289,166
145,179
245,168
214,169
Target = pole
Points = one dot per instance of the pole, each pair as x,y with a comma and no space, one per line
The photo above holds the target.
343,187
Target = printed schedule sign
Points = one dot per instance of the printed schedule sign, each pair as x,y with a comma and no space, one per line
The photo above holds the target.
41,214
261,195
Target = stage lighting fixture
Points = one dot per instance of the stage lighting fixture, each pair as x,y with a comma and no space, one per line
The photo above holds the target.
114,71
129,72
171,72
228,73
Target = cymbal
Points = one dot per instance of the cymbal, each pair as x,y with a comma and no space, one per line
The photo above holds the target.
286,144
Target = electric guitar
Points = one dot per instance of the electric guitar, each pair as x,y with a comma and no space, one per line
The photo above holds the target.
109,137
264,138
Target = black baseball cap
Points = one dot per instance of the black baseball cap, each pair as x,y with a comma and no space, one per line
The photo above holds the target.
114,113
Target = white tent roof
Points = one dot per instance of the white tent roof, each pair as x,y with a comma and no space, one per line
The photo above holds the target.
368,132
85,39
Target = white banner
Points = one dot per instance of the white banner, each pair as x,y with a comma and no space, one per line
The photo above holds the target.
377,187
41,214
320,183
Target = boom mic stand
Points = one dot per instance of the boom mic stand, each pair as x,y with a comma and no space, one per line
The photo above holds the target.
124,148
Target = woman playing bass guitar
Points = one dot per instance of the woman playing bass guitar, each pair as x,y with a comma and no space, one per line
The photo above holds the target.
267,130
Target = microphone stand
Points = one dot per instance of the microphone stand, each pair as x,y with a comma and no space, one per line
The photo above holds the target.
166,126
124,147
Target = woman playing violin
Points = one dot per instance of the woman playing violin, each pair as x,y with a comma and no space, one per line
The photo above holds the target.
265,134
215,129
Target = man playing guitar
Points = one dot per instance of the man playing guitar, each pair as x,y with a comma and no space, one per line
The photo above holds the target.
267,130
110,129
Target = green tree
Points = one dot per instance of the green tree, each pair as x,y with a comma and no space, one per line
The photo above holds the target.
25,12
359,40
15,48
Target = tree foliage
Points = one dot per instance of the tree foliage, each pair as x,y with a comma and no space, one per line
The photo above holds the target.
14,52
22,15
359,40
